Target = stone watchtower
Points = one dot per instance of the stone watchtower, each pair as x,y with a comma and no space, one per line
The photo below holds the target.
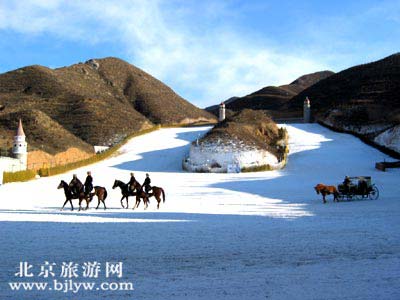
221,112
307,111
20,147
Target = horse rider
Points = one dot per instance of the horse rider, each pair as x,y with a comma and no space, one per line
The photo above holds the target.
75,185
146,184
88,183
131,183
346,184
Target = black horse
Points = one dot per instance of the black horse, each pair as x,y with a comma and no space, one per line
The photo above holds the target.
127,192
69,196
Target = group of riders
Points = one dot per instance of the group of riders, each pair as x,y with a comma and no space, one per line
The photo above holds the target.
87,187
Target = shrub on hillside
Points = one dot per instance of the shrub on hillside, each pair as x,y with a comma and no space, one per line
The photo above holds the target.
18,176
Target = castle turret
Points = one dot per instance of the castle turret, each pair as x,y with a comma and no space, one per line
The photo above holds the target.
221,112
307,111
20,147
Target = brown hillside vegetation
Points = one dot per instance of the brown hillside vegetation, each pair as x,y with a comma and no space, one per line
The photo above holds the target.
273,97
99,102
149,96
253,128
43,132
371,91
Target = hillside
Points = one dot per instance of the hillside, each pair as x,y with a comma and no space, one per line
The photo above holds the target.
273,97
149,96
363,100
374,86
250,127
99,102
43,132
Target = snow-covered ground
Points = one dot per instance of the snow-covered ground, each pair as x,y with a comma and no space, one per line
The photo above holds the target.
260,235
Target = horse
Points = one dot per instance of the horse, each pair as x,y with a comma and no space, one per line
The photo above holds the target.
140,193
70,196
127,192
101,194
327,190
157,192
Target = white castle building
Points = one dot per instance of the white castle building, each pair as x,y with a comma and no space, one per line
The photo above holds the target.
20,146
20,152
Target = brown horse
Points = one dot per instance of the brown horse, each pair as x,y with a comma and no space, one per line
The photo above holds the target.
140,194
327,190
69,196
157,192
101,194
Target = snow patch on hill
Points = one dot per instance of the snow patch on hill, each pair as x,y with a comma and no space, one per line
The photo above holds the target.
358,129
390,138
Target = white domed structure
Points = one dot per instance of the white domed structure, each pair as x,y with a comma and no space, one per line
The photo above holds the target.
20,146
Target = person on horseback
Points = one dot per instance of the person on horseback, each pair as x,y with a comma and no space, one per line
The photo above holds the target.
88,183
76,186
146,184
346,184
131,183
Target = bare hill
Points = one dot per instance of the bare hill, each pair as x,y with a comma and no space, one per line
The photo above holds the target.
99,102
149,96
372,88
274,97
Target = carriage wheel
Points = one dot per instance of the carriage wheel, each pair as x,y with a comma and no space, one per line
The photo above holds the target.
374,193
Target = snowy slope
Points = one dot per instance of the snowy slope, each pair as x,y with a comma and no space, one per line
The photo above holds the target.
221,236
390,138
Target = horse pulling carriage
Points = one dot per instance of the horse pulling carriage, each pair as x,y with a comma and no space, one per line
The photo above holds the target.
356,188
360,187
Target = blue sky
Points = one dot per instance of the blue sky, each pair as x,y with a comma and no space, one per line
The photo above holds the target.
206,51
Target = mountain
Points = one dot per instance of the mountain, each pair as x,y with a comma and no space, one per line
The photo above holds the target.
373,88
273,97
363,100
98,102
149,96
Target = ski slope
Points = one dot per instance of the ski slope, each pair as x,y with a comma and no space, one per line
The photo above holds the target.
219,236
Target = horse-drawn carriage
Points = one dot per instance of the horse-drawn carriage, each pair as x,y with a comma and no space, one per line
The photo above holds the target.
359,187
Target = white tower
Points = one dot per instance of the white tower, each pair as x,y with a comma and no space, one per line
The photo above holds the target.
20,147
307,111
221,112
